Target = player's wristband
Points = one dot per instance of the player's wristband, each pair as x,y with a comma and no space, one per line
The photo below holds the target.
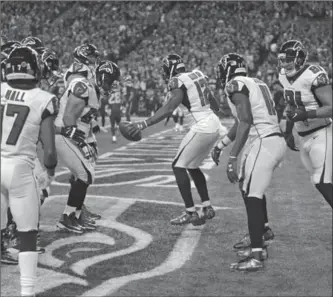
232,157
224,142
144,124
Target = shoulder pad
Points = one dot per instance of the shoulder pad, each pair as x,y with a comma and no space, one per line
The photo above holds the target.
315,69
236,86
321,80
174,83
79,89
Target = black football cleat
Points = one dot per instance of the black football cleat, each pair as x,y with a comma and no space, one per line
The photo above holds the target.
188,217
86,224
268,235
248,264
208,212
245,242
90,215
70,223
7,258
247,252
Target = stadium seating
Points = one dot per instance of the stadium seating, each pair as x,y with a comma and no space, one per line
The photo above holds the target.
137,34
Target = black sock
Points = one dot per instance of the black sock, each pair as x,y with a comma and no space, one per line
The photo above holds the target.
264,208
28,241
326,190
200,183
255,217
77,194
3,232
10,219
184,185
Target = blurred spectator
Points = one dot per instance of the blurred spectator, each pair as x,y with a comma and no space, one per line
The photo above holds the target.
137,35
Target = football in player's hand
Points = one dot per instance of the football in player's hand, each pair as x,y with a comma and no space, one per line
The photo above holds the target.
129,131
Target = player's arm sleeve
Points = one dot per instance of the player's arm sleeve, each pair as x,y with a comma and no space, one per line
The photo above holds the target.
47,137
175,98
320,80
322,91
77,100
244,115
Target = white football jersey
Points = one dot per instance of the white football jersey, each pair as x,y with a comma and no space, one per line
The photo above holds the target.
196,100
299,93
23,112
265,120
81,88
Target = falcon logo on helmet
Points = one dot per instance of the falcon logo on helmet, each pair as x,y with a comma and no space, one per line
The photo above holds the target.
107,75
33,42
87,54
49,65
6,48
230,65
22,64
172,65
291,58
49,62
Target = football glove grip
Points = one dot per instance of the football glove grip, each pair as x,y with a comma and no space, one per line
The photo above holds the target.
136,128
44,180
290,140
88,152
72,132
216,154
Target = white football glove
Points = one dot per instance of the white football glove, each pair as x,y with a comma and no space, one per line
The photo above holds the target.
44,180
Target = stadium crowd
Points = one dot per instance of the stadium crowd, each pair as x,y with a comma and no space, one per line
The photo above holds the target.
137,34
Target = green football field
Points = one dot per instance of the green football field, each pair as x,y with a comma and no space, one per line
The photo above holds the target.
136,252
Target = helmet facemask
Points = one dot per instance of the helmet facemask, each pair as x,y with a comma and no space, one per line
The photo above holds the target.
291,61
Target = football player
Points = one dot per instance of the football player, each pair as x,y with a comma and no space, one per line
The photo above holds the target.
27,113
78,108
6,48
191,90
114,104
128,92
48,62
308,95
256,130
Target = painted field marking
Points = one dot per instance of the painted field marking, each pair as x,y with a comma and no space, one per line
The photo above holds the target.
49,199
142,238
181,253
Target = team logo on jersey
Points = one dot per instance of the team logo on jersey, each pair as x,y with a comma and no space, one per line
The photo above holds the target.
232,86
173,84
321,80
79,89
